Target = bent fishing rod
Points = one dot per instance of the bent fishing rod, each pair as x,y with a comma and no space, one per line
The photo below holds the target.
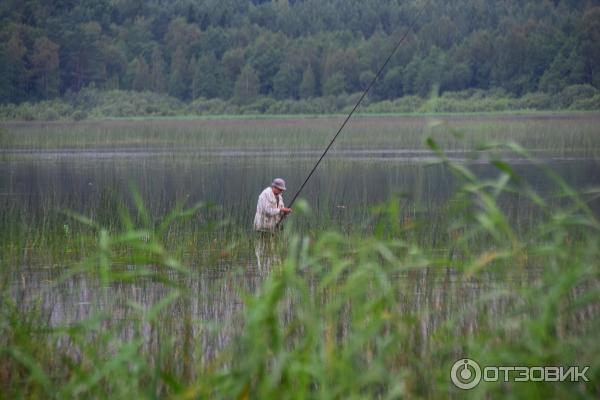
379,72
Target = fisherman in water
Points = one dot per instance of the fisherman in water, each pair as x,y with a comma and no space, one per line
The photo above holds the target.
270,208
269,211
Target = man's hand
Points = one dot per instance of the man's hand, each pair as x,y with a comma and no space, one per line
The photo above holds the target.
285,211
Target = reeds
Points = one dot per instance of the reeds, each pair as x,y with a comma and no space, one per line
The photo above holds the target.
375,313
552,134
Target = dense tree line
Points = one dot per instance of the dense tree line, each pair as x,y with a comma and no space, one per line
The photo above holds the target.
286,49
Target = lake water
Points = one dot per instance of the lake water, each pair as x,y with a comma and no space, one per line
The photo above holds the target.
38,181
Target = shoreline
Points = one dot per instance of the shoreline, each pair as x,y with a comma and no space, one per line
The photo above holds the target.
542,114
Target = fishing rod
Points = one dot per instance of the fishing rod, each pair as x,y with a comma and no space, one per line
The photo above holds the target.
379,72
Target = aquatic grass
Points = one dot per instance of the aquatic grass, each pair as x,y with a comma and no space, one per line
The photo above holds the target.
551,134
166,303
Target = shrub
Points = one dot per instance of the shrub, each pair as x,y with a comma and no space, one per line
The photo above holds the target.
572,93
591,103
94,103
79,115
536,101
49,114
459,95
407,104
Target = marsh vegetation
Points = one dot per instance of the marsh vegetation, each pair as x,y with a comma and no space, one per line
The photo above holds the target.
128,267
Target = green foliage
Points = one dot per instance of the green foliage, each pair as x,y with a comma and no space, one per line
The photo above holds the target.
334,85
247,85
571,94
286,83
203,81
179,77
308,86
193,50
587,104
99,104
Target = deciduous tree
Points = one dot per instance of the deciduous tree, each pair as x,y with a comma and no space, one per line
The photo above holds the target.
45,63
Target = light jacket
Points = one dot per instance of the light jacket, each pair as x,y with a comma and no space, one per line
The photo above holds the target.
268,211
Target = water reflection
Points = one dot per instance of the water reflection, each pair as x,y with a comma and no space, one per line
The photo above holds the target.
208,317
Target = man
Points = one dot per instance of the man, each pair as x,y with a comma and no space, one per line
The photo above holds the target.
270,208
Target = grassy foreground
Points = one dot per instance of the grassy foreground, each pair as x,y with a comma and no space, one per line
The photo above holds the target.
343,316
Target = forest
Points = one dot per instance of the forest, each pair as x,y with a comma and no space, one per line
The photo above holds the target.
240,51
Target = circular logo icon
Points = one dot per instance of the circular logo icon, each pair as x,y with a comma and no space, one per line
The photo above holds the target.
465,374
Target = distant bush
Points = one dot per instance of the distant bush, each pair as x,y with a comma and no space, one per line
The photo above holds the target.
79,115
463,94
94,103
576,93
204,106
380,107
537,101
407,104
592,103
449,105
49,115
259,106
326,104
263,104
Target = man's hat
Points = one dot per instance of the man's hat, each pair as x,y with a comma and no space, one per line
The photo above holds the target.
278,183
